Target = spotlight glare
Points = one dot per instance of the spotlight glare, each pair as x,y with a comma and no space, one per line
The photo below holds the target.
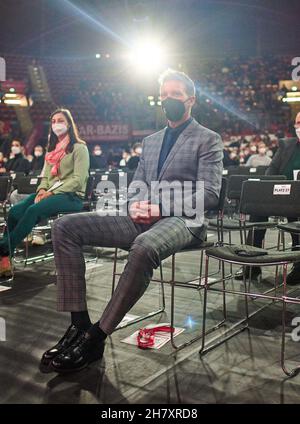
98,55
146,56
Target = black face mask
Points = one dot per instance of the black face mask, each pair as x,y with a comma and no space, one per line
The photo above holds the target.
173,108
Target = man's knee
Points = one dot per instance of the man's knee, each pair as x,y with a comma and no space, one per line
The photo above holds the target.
61,227
144,252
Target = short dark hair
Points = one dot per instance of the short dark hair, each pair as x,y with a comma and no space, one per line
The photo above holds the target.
17,140
171,75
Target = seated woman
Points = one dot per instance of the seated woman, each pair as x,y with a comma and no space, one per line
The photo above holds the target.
62,188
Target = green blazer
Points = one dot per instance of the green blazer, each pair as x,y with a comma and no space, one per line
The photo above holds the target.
73,172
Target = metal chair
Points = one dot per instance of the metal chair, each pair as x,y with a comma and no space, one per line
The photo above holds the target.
258,198
231,223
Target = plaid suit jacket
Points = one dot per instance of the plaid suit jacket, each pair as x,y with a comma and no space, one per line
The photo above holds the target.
196,156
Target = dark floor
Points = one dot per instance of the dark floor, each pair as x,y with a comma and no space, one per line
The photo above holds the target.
246,369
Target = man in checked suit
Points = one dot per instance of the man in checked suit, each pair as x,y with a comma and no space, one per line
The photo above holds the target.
183,151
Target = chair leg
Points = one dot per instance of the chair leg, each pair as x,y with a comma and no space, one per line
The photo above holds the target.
114,271
294,371
230,332
224,293
173,283
163,298
229,239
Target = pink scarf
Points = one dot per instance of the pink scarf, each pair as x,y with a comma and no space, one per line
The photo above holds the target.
54,158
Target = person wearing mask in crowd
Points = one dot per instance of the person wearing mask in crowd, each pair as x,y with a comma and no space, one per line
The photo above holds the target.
261,159
125,158
37,163
285,162
230,158
62,188
98,160
244,155
184,151
135,157
17,162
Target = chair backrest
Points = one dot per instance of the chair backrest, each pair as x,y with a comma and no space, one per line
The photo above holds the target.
90,185
261,169
16,177
222,197
239,170
235,182
28,184
271,198
5,186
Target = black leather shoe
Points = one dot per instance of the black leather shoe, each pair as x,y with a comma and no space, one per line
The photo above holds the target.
293,277
79,355
72,334
256,271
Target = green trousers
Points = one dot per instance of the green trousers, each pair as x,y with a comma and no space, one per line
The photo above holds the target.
26,214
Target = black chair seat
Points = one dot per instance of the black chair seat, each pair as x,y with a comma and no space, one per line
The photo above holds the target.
228,253
198,246
291,227
193,247
234,224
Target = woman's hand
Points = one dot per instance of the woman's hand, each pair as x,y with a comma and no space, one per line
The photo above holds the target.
42,194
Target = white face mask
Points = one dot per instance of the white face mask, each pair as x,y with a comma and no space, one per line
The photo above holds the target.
59,129
38,154
262,151
15,150
97,152
298,133
138,150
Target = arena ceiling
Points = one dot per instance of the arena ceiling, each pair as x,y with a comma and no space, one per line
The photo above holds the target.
207,27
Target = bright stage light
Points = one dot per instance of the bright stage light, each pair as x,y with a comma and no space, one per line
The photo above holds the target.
98,56
147,56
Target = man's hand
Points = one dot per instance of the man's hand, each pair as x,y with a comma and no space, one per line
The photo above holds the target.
42,194
144,213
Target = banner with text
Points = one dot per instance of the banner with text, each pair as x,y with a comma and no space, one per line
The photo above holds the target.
105,132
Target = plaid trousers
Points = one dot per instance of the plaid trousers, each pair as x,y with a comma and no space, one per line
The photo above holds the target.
148,246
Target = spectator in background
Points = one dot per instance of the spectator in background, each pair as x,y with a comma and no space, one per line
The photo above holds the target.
260,159
135,156
230,158
2,163
125,158
18,162
38,159
98,160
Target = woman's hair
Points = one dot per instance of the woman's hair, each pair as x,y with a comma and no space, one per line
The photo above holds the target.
72,131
